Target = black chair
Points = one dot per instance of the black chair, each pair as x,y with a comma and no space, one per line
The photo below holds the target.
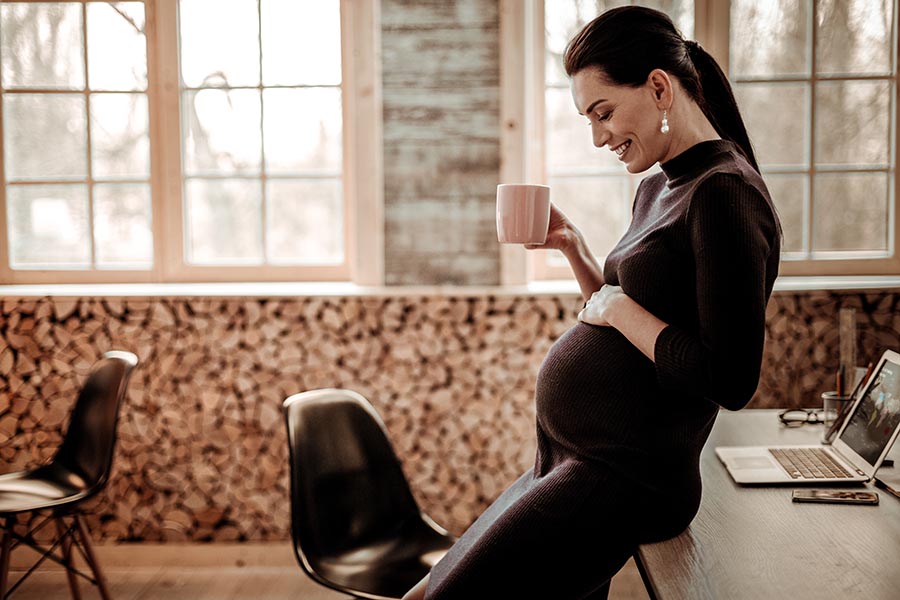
355,525
79,469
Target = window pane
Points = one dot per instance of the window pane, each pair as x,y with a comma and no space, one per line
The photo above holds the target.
41,45
122,230
854,36
569,141
44,136
600,206
291,30
303,129
564,18
680,11
222,133
120,143
769,38
851,212
223,222
305,221
117,49
777,119
789,194
48,227
852,122
220,42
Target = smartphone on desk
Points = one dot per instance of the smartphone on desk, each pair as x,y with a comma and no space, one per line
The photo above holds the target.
835,496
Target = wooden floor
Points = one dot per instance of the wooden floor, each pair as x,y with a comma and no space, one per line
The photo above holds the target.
213,572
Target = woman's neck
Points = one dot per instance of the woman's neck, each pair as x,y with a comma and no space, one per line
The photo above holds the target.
688,126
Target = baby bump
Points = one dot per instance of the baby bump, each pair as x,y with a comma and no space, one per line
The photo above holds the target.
593,389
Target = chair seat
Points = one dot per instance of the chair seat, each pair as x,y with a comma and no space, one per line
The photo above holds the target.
389,567
50,486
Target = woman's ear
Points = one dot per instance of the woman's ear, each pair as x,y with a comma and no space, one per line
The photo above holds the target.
660,85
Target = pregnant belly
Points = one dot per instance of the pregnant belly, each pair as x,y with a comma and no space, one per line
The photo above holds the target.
593,391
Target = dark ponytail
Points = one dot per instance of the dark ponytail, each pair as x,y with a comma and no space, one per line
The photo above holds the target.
718,103
627,43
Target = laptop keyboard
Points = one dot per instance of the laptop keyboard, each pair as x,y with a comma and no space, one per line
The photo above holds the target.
809,463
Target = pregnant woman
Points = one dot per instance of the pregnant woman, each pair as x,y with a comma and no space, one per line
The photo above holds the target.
672,328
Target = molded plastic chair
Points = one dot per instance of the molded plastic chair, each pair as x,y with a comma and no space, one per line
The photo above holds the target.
79,469
355,525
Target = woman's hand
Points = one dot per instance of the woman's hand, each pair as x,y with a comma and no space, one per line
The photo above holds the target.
598,310
611,307
561,233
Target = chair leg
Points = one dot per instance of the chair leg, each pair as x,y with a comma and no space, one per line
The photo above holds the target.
91,557
66,545
5,543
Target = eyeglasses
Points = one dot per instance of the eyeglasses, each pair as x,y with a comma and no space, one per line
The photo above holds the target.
796,417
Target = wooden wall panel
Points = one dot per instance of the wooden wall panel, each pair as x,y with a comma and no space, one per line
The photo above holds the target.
441,131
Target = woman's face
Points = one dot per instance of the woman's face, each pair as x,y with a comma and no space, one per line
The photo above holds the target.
624,119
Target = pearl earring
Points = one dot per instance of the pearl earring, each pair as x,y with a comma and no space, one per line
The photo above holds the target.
665,123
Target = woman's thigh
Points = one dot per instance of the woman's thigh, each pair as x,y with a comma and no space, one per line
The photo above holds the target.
559,538
570,565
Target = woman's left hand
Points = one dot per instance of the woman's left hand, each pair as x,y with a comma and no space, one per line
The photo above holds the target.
598,309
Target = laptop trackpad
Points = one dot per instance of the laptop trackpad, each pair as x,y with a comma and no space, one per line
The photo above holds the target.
751,462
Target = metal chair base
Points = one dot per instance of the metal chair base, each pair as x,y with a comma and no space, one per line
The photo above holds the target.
70,534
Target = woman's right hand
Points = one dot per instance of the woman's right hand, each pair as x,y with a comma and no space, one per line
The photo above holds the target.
561,233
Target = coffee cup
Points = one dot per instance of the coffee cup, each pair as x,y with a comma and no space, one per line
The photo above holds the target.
523,213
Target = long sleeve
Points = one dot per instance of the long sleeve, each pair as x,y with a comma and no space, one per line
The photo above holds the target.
733,234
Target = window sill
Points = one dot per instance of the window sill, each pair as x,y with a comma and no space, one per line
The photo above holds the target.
825,283
346,289
782,284
278,290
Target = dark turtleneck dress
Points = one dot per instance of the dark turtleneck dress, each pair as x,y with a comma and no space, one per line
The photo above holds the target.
619,436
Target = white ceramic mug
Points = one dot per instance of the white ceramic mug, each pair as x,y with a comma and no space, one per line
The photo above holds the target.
523,213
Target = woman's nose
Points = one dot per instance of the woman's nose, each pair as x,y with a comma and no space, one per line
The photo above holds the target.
601,136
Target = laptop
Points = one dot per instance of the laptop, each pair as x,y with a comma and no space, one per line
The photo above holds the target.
858,450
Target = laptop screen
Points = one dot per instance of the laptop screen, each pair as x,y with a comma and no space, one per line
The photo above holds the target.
871,425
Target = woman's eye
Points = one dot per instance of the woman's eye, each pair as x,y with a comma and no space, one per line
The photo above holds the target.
604,116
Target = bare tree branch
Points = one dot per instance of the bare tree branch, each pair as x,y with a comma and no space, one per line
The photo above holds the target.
127,17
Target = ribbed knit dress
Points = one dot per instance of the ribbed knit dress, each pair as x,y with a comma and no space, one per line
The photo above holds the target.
619,436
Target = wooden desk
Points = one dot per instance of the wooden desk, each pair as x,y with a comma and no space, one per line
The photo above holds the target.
751,542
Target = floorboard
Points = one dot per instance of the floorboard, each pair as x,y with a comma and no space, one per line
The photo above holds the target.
212,572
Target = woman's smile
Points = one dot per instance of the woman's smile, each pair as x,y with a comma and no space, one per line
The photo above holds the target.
621,149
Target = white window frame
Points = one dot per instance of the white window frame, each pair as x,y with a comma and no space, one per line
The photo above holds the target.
361,168
522,134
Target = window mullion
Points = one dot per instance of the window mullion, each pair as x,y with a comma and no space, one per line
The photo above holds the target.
809,208
892,215
362,169
92,237
5,267
818,77
535,125
712,28
263,199
165,138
